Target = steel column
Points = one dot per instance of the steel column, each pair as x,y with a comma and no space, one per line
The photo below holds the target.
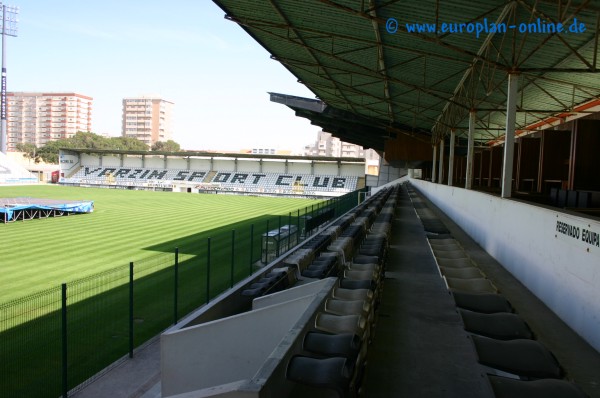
451,158
509,139
441,168
433,169
470,143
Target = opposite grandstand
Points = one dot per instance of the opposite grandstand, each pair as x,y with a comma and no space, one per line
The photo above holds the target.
207,172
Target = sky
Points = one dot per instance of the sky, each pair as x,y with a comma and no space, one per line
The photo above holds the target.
182,50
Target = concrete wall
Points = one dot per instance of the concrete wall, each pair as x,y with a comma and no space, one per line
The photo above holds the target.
155,162
350,169
273,166
299,167
177,163
132,161
226,350
546,249
330,168
248,166
223,165
111,161
245,352
199,164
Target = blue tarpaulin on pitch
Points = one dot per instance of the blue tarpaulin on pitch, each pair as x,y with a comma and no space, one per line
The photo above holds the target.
10,206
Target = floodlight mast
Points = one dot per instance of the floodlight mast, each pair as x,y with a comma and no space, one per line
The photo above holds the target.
9,27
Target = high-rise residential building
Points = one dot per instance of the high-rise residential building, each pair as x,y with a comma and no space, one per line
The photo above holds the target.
37,118
148,119
328,145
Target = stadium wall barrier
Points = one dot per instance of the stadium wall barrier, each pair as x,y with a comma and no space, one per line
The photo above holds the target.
207,350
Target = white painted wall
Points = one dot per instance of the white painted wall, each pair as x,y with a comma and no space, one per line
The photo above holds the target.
199,164
291,293
330,168
270,166
89,160
352,169
155,162
248,166
299,168
222,165
564,272
177,163
132,161
226,350
111,161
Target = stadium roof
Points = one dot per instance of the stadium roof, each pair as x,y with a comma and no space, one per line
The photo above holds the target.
377,80
203,154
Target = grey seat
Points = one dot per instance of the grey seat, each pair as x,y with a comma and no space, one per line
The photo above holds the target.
485,303
445,247
525,358
330,373
505,387
336,324
501,326
455,262
345,345
475,285
461,273
451,254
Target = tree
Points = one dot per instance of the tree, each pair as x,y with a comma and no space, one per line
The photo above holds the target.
30,151
166,146
87,140
127,144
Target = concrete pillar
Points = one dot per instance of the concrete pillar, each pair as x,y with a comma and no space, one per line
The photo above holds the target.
509,139
433,169
470,144
451,158
441,168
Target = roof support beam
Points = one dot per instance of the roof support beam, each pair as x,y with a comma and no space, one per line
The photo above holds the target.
381,61
509,138
308,49
469,173
451,158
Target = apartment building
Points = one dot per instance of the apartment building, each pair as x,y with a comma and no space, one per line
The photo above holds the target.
328,145
37,118
148,119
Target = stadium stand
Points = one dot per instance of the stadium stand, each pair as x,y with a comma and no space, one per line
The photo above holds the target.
258,183
12,173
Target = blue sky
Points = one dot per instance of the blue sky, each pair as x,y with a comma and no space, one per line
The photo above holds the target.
184,50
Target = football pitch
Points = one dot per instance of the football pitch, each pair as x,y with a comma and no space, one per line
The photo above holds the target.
125,226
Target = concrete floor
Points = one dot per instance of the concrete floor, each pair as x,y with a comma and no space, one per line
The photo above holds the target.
420,348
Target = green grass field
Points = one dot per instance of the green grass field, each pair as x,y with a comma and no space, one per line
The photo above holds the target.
125,226
106,314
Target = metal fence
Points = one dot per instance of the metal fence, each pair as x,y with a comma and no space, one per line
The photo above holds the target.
56,340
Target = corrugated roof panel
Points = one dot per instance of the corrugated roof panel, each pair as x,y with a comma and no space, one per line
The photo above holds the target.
354,60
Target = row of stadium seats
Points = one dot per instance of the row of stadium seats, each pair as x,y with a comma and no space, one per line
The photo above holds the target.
335,351
128,175
518,366
352,249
